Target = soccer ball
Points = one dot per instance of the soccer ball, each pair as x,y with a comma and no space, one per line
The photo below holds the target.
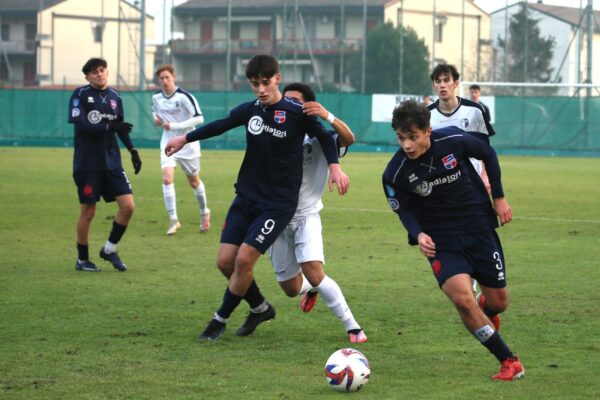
347,370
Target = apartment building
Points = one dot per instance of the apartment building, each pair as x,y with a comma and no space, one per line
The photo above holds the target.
45,42
455,32
311,38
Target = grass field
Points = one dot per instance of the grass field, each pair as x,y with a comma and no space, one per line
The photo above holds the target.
72,335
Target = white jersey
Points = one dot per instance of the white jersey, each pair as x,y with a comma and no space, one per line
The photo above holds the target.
314,176
181,106
468,116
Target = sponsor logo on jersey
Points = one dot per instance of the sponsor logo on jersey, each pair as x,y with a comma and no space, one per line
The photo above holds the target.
464,123
390,191
449,161
393,203
255,125
75,112
90,99
94,116
113,104
424,188
279,116
75,102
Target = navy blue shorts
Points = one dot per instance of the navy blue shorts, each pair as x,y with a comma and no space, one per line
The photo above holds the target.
478,254
108,184
248,222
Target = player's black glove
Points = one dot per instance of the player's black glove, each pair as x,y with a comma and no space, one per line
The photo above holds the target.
120,127
136,160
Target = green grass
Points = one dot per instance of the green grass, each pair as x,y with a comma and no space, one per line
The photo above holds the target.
72,335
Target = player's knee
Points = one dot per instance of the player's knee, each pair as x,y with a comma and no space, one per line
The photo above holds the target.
314,273
464,304
167,180
128,209
225,266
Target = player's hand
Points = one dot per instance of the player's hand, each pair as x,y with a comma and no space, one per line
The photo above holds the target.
120,127
158,121
136,160
313,108
337,176
503,210
167,126
426,245
175,144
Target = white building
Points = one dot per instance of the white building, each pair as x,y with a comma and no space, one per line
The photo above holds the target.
569,62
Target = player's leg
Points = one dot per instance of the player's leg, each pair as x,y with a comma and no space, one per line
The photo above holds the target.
169,195
89,187
84,221
117,187
192,171
309,252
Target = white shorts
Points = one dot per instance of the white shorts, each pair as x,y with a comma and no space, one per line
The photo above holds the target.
300,242
190,167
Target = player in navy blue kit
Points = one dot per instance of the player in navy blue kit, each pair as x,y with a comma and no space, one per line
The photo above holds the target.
441,200
96,112
267,186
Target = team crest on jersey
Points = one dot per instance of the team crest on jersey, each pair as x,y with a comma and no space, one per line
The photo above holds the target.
75,102
113,104
390,191
75,112
393,203
449,161
464,123
279,116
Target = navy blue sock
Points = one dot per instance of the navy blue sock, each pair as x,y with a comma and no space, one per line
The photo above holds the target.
489,312
497,347
83,252
117,232
230,302
253,296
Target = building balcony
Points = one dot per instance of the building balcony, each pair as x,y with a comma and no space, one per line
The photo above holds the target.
253,46
18,46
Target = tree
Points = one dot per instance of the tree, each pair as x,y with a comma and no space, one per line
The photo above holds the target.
382,62
529,55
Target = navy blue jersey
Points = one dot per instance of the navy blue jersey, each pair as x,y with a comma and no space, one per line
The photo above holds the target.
90,110
440,192
271,172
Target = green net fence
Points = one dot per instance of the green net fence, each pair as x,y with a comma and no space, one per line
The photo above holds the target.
564,126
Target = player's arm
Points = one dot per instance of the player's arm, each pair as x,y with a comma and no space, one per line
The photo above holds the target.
480,150
158,121
398,200
330,150
346,136
209,130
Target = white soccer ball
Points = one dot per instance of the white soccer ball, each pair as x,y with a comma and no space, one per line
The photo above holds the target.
347,370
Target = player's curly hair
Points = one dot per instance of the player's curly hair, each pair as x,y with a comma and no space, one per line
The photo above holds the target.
262,66
410,114
92,64
445,69
307,92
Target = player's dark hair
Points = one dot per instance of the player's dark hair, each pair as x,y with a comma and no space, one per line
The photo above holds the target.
92,64
262,66
165,67
475,87
408,114
307,92
441,69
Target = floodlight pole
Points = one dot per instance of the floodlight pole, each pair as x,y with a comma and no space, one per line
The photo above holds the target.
142,83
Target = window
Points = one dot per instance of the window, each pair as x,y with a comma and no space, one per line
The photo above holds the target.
5,32
440,21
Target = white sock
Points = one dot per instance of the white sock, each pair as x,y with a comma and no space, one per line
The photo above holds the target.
170,201
109,247
261,308
336,302
220,319
306,286
200,194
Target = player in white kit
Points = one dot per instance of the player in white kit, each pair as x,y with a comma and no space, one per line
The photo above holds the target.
297,254
178,113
